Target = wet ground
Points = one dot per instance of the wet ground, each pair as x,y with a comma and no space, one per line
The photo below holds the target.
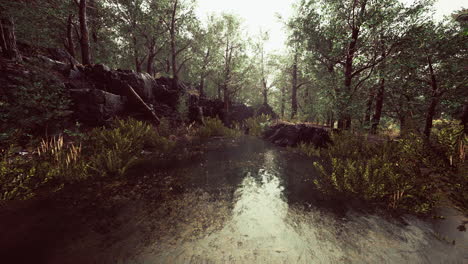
237,201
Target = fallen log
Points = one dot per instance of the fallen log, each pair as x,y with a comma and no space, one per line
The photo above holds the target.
290,135
146,107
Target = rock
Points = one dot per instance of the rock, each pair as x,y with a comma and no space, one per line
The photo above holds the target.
290,135
61,55
95,107
266,109
239,112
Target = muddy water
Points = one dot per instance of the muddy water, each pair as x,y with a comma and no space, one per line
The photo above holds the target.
271,216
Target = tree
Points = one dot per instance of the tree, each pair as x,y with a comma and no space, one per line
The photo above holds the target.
343,38
8,40
84,34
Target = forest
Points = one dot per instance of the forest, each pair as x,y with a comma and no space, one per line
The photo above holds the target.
136,131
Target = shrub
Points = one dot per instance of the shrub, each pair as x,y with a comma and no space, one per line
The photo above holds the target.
257,125
390,174
115,150
214,127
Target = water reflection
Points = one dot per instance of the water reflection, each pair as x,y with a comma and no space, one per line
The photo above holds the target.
264,227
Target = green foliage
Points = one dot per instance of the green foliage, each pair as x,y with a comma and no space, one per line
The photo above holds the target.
257,125
35,109
115,150
309,149
392,174
55,163
18,178
214,127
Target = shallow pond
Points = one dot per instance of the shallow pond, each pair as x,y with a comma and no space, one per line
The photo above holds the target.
276,216
236,201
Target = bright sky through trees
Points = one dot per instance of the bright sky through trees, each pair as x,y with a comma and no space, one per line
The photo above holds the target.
263,14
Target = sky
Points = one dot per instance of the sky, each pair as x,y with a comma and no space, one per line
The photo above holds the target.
263,15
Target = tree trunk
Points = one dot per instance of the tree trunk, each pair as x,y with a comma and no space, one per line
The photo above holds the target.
378,106
265,92
370,102
283,100
464,118
294,87
175,77
403,128
150,61
201,86
70,45
84,41
431,111
136,55
8,40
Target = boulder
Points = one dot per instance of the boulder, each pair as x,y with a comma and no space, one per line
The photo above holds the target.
290,135
266,109
95,107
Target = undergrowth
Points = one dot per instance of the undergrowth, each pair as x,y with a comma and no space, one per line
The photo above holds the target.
406,174
104,152
214,127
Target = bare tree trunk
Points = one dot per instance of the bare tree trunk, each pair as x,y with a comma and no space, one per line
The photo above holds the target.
265,92
294,87
370,101
172,31
150,61
434,100
8,40
283,100
201,86
70,45
84,41
378,106
464,118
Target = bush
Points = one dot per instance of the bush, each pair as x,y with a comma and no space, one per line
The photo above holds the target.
115,150
392,174
214,127
38,108
257,125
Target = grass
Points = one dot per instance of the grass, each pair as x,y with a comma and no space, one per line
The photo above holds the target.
405,175
104,152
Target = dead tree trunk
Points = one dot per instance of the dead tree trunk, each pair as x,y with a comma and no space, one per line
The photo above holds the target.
140,101
8,40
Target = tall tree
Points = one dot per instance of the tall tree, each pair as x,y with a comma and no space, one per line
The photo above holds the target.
84,34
